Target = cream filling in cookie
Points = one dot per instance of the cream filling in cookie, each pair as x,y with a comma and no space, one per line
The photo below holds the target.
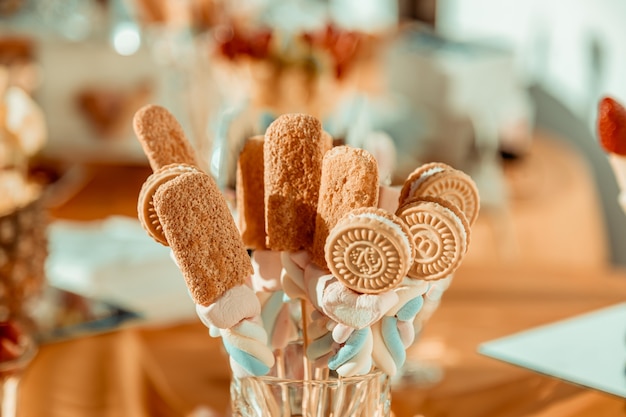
396,228
427,174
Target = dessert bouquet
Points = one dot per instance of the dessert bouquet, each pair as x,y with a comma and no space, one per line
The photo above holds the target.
339,264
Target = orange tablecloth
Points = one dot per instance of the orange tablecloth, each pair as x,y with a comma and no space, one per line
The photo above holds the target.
169,371
154,371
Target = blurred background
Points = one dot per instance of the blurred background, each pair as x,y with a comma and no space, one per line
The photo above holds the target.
486,86
504,90
568,54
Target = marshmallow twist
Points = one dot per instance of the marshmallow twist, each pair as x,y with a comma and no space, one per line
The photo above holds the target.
394,333
321,345
277,319
354,357
246,344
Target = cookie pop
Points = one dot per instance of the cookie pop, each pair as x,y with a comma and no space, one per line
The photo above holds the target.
440,232
195,222
440,180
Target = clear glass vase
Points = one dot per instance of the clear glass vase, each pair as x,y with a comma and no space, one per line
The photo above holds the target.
323,394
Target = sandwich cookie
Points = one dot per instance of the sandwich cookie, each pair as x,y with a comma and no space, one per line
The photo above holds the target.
369,250
437,179
440,234
145,205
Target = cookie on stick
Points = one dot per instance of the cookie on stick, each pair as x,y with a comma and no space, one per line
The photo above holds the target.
293,151
369,250
440,233
188,212
368,253
202,234
201,231
205,242
169,154
207,247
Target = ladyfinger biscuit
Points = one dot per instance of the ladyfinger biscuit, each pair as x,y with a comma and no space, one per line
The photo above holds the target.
293,152
369,250
203,236
349,181
440,180
145,205
327,142
162,138
440,233
250,194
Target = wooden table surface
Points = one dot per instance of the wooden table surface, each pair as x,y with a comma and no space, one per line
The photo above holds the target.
172,370
156,370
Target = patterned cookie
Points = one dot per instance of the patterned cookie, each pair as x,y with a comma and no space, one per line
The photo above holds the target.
440,234
437,179
369,250
349,181
145,205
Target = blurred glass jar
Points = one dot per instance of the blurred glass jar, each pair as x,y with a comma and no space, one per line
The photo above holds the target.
23,252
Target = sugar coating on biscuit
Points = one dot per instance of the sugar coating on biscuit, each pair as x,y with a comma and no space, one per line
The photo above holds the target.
349,181
293,152
162,137
203,236
250,194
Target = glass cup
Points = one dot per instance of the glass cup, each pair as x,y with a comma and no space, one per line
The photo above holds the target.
364,395
324,394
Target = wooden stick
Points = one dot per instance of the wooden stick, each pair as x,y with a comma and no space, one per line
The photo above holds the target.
280,373
306,395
